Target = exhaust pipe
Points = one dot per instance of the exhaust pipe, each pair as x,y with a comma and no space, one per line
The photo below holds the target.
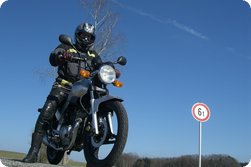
74,133
47,143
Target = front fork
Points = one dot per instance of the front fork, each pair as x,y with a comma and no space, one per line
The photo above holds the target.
94,116
94,109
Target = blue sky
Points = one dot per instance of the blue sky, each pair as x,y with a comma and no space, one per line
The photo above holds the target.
179,53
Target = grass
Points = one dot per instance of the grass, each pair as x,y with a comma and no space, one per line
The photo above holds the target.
20,156
11,155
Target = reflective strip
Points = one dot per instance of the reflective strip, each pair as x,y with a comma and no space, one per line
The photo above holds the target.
72,51
91,54
64,82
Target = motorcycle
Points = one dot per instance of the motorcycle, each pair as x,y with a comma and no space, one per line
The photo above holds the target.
90,120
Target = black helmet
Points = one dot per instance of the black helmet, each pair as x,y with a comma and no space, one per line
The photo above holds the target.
84,36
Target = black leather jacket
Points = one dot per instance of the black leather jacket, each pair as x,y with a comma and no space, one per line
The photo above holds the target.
70,70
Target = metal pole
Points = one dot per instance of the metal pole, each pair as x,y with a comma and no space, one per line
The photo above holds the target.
200,134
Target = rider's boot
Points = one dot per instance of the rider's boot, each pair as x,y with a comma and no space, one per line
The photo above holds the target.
31,157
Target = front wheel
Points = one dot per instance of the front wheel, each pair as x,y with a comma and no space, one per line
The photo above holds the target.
104,149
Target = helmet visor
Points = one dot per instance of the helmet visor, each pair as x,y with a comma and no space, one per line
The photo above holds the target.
86,38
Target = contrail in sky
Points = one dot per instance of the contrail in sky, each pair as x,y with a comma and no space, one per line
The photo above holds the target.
163,21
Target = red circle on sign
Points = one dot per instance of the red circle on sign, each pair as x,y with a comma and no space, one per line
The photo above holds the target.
206,112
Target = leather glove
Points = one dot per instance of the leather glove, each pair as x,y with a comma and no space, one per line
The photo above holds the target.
67,56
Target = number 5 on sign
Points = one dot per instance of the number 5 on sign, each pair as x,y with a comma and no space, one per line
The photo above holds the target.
201,112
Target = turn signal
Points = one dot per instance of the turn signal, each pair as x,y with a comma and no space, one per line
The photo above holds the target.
117,83
84,73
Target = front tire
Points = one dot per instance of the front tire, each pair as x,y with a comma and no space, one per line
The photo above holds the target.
117,140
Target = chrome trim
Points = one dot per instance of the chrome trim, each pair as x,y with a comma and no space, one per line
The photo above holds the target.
100,89
47,143
110,122
94,115
94,108
74,133
74,136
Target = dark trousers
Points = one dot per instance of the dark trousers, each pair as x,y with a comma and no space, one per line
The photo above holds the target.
58,94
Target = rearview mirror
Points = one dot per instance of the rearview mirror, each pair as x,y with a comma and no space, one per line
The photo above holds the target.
65,39
122,60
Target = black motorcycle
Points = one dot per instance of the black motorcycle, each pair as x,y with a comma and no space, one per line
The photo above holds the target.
90,119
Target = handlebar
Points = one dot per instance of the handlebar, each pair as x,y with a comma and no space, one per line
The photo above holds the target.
78,59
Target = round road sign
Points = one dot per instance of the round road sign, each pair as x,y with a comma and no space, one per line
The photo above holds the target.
201,112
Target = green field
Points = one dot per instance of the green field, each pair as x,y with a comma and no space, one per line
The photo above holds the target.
11,155
19,156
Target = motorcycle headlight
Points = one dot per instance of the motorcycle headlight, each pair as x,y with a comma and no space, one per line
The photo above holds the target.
107,74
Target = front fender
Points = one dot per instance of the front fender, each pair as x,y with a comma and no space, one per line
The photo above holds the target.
103,99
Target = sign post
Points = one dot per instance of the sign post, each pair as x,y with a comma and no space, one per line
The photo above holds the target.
201,113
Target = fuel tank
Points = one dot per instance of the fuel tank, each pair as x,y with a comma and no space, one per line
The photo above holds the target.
79,88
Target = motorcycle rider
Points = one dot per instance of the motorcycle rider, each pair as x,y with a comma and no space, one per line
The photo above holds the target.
68,72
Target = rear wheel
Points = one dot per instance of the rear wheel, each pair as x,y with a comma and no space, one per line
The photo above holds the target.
104,149
54,156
